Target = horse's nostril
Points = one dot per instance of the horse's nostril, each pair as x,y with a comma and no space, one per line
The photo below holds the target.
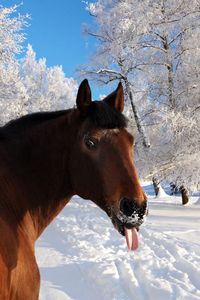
128,206
142,210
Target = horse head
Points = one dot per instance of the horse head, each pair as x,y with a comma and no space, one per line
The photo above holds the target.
102,167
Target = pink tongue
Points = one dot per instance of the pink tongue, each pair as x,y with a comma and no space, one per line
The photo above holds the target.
131,238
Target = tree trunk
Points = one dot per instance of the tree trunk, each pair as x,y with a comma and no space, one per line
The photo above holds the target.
184,194
156,185
138,121
174,188
170,76
170,87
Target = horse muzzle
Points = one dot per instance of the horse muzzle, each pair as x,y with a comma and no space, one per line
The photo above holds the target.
129,215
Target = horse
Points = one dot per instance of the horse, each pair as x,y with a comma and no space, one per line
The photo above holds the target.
48,157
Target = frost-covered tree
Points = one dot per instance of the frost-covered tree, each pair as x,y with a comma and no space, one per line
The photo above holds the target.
11,33
118,26
174,154
27,85
33,74
169,53
47,88
61,90
153,46
170,58
12,91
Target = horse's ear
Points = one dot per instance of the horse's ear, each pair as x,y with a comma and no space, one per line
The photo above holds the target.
116,99
84,98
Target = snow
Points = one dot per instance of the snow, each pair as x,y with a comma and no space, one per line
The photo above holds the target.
161,192
82,257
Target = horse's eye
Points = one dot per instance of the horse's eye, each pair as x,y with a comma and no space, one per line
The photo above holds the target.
90,143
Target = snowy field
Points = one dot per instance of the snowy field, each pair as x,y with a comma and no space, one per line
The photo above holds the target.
82,257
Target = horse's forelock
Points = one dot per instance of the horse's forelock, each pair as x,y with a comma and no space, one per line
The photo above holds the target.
104,116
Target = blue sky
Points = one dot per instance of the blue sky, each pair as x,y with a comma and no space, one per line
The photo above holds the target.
55,32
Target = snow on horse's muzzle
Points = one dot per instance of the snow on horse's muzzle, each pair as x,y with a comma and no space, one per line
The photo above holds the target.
128,220
131,212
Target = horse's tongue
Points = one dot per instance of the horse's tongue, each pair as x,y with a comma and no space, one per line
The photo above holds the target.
131,238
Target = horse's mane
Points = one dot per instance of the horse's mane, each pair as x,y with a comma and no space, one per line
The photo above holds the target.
32,119
99,113
26,122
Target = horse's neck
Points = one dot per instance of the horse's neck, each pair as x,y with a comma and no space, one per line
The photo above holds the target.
42,181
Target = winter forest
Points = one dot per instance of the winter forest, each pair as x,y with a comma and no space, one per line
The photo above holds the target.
153,48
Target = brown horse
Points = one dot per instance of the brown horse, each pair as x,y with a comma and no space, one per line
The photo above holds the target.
46,158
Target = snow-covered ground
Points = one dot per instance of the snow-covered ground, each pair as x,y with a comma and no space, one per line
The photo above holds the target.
82,257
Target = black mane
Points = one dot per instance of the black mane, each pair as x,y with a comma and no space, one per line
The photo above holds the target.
99,113
34,118
18,126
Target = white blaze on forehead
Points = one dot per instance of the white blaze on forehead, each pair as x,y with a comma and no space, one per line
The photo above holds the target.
108,133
